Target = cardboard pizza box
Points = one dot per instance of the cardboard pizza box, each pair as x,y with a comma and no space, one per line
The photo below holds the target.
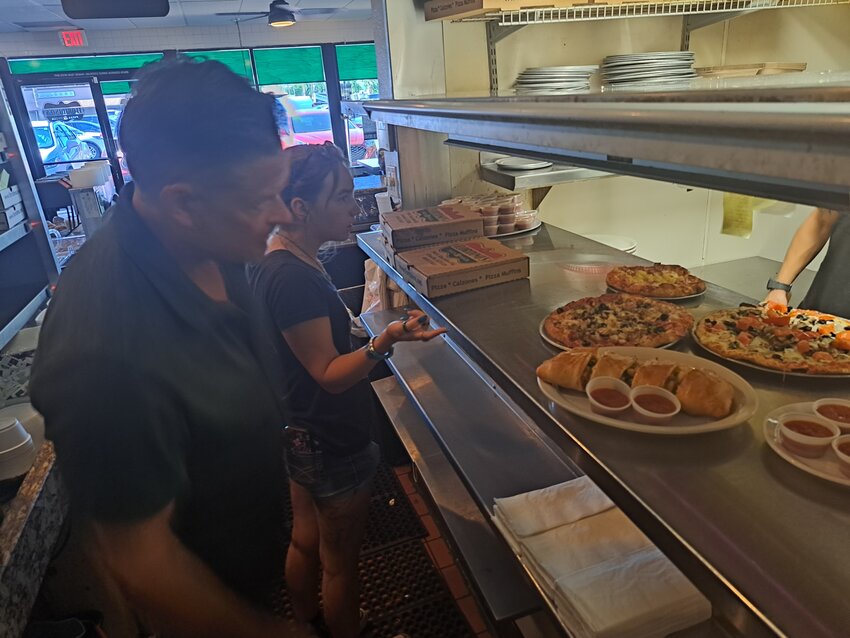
408,229
9,197
449,268
11,217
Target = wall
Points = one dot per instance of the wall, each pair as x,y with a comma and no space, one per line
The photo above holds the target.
226,36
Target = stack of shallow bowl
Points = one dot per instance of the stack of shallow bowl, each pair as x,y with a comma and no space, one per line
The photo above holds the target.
554,80
648,69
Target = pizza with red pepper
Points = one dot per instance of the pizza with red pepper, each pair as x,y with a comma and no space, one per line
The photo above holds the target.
617,320
799,341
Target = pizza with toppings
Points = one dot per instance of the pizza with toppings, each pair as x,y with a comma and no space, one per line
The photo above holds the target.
658,280
796,341
617,320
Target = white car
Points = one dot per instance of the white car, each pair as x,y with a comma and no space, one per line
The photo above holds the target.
58,142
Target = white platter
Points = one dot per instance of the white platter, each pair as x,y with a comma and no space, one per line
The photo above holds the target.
746,401
536,225
825,467
521,164
561,346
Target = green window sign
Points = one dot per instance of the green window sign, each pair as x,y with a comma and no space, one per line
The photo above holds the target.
356,62
290,65
82,64
116,88
237,60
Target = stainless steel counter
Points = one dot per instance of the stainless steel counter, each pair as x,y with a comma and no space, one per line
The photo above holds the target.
765,542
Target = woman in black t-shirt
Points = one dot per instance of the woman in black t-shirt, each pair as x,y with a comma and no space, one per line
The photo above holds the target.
330,455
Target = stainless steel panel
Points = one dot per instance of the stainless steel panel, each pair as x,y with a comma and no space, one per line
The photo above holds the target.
797,150
523,180
765,542
486,556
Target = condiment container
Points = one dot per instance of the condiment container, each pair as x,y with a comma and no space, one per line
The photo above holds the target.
602,386
841,447
807,445
650,414
835,410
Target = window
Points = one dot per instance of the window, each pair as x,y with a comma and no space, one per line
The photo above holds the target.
237,60
82,63
43,136
358,81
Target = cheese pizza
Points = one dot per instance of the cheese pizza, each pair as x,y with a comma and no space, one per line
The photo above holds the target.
658,280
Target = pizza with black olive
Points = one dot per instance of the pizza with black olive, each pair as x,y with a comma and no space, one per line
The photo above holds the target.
798,341
617,320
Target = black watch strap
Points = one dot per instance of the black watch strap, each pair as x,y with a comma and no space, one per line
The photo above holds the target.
773,284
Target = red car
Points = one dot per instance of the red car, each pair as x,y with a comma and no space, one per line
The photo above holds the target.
313,126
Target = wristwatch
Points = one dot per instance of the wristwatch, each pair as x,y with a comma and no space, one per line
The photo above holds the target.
374,355
772,284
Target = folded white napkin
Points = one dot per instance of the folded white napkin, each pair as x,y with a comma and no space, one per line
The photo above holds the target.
590,541
638,595
541,510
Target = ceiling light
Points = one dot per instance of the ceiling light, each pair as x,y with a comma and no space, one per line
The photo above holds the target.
280,15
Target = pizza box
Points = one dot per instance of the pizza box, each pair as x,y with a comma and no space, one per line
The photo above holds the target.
9,197
12,217
449,268
457,9
408,229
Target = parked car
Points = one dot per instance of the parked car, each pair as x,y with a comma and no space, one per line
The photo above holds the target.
91,135
58,142
313,126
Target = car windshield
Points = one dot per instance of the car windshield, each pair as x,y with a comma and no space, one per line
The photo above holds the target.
43,136
86,127
311,122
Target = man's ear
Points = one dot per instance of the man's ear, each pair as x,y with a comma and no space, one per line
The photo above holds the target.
300,209
176,199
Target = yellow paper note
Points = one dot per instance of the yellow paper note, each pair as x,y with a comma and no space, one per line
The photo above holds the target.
738,215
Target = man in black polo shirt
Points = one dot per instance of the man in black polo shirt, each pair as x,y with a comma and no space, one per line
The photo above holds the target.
166,428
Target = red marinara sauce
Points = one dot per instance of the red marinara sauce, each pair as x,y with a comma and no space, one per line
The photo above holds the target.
655,403
835,412
610,398
808,428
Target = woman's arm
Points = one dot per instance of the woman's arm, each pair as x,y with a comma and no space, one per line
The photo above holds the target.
807,242
312,344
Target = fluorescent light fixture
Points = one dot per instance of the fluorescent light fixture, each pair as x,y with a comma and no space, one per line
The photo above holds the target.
280,15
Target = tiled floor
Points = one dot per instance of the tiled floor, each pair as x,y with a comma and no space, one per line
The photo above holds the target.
442,557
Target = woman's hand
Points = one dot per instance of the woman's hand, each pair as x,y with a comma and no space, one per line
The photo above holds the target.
413,327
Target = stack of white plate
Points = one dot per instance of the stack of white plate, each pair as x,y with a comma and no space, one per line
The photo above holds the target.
646,69
554,80
17,451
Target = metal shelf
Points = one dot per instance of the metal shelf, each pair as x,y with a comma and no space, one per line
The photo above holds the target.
8,331
9,237
523,180
781,144
579,13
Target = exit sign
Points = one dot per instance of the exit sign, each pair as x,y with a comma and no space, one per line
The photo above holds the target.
73,38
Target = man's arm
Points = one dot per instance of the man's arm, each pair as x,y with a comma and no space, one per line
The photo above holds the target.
173,590
807,242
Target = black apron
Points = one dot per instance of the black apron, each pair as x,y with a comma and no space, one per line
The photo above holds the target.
830,291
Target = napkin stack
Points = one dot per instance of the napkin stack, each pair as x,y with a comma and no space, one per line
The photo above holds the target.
603,576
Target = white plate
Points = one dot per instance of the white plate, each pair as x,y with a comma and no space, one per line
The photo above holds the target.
561,346
590,68
536,225
746,401
826,467
626,244
521,164
754,366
